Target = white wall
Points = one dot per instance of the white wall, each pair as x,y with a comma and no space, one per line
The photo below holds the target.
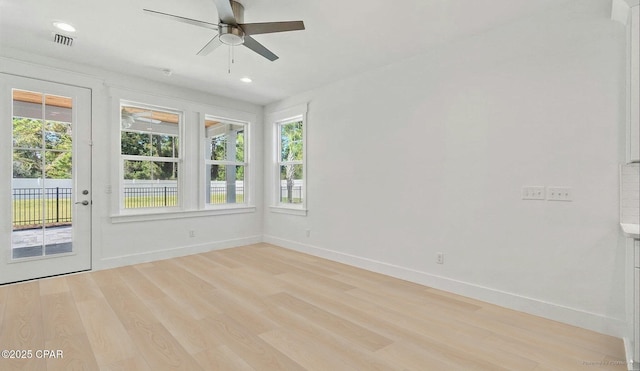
115,244
429,155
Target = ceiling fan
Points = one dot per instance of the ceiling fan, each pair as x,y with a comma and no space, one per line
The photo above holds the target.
231,29
128,118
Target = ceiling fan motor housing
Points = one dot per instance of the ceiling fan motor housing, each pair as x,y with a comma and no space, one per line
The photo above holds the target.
232,34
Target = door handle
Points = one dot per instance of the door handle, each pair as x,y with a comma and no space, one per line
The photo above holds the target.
85,202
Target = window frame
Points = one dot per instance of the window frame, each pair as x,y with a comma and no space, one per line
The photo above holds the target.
248,184
179,160
278,119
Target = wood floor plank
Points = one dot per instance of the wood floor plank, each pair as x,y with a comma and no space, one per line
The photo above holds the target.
218,259
83,287
226,280
355,356
245,277
22,327
296,261
255,351
184,327
222,358
564,333
412,358
77,353
3,302
60,316
309,353
109,340
137,364
314,280
183,276
349,330
244,312
249,260
154,342
53,285
196,303
143,287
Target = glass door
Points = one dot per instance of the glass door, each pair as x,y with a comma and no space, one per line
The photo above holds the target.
49,211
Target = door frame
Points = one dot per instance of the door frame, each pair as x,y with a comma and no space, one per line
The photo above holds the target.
81,258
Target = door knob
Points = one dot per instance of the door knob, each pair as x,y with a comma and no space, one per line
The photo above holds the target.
85,202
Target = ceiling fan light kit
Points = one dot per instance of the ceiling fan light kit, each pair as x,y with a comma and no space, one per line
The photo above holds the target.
231,35
232,30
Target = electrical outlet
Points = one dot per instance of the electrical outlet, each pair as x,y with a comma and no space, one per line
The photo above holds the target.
533,193
440,258
308,232
192,233
559,194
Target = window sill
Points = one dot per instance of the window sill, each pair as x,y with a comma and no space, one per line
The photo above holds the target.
148,215
289,210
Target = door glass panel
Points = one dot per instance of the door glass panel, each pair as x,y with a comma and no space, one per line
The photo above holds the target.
42,175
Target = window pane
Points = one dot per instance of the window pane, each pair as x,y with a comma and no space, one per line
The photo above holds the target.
225,184
240,146
27,133
148,120
225,141
164,146
27,164
57,135
150,184
150,170
135,143
218,148
291,141
58,164
291,184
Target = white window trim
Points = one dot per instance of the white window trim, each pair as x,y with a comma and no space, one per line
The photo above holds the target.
298,112
191,204
173,214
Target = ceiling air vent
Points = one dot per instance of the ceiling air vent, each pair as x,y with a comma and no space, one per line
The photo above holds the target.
62,40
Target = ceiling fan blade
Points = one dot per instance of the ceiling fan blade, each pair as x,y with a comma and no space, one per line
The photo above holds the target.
211,45
252,44
194,22
270,27
225,12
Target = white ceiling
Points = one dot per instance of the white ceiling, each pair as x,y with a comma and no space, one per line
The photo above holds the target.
341,38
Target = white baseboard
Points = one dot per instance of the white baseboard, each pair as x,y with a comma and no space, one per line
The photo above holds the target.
145,257
576,317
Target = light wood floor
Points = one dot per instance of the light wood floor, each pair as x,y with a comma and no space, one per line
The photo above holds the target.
266,308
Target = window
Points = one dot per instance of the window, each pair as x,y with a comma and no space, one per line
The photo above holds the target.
150,155
289,154
225,162
291,162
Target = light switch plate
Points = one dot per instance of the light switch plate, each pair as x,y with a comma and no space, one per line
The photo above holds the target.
533,193
559,194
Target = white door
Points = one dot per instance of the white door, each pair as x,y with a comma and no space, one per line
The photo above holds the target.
45,172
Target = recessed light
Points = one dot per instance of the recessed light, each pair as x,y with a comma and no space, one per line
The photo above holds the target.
246,79
64,26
